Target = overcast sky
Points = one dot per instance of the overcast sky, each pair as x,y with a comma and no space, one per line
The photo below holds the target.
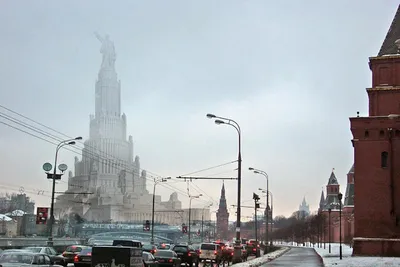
291,73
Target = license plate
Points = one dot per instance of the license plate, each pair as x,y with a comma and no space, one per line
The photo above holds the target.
161,260
86,259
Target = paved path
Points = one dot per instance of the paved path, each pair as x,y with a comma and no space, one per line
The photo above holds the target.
297,257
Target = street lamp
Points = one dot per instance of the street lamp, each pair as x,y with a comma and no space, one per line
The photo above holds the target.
257,171
202,222
190,211
329,228
54,177
156,181
272,208
221,120
340,224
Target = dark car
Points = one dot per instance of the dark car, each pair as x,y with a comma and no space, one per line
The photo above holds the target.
167,258
187,255
71,251
84,258
25,258
150,248
164,246
149,260
54,256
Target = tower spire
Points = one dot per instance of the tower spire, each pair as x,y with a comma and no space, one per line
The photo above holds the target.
390,44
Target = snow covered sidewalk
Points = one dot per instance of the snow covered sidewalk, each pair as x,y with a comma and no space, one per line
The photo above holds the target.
332,259
263,259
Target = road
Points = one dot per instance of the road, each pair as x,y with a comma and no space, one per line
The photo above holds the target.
297,257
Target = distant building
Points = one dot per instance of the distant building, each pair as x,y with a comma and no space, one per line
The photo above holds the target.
222,217
16,202
304,208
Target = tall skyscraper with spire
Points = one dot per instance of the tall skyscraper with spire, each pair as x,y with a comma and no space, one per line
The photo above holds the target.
222,216
108,168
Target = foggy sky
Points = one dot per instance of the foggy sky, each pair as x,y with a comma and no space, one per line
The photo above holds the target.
290,73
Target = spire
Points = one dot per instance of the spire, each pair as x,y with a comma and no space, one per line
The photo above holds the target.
322,200
390,44
222,200
332,178
304,201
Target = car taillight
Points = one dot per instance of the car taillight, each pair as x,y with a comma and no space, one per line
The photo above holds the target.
170,260
76,259
189,254
231,253
199,251
215,252
64,254
89,254
254,249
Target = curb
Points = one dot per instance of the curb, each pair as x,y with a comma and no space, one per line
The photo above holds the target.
321,260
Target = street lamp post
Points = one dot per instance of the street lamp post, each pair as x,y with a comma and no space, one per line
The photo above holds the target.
202,222
329,228
55,177
340,224
272,207
237,256
156,181
190,211
267,215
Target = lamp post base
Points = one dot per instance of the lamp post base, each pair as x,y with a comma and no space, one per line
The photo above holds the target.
50,242
237,254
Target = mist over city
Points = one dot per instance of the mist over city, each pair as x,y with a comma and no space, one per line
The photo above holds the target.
211,120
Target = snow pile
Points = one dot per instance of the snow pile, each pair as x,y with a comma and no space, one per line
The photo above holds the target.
263,259
332,259
5,218
16,213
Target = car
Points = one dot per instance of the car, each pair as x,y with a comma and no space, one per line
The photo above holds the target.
167,258
54,256
210,252
25,258
149,260
187,255
84,258
71,251
149,248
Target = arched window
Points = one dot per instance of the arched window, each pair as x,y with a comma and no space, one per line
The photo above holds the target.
384,159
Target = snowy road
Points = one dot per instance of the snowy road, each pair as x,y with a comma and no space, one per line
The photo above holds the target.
297,257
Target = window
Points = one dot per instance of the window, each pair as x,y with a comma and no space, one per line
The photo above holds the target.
384,159
381,133
366,134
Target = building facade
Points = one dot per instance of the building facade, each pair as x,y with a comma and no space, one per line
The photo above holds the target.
376,142
222,216
109,171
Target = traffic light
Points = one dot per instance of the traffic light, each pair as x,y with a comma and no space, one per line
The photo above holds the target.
146,226
41,215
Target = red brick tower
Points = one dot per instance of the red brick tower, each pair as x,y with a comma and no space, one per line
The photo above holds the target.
222,216
331,202
376,142
348,208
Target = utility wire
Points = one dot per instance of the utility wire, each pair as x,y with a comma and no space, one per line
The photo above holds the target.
35,129
210,168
